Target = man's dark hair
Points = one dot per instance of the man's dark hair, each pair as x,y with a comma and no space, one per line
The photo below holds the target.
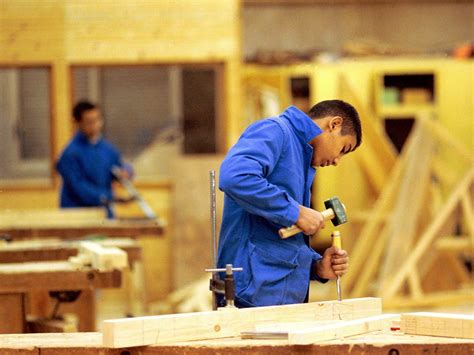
351,121
81,107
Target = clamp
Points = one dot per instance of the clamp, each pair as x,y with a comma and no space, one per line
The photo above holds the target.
224,287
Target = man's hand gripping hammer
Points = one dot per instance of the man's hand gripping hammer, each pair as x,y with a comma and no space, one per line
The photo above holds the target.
335,211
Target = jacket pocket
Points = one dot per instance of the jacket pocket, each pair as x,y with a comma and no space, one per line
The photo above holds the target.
270,271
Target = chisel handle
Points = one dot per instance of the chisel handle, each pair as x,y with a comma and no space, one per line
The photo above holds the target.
292,230
336,242
336,239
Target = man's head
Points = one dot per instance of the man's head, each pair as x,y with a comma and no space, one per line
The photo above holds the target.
88,118
342,132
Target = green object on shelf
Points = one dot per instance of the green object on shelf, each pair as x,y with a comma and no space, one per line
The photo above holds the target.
390,96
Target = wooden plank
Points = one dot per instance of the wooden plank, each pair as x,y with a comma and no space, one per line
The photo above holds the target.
48,216
302,333
226,323
438,324
454,243
51,276
341,330
57,249
65,230
99,257
409,205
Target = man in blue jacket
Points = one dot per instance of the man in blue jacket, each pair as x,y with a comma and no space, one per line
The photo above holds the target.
267,177
85,164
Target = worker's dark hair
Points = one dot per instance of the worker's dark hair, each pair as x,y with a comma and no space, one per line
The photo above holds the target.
351,121
81,107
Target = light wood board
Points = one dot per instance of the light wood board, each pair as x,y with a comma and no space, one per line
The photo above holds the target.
227,323
438,324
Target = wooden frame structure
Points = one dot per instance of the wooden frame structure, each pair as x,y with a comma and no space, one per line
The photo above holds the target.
409,219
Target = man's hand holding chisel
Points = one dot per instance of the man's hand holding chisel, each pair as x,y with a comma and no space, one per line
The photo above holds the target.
334,263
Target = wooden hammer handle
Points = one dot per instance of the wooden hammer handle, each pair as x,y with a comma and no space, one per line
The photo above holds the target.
292,230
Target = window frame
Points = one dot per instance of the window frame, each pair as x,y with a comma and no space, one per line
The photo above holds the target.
26,184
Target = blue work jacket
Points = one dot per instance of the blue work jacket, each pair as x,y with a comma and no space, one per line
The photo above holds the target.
85,168
265,176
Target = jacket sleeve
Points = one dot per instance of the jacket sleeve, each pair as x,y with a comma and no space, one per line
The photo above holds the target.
244,172
87,192
313,275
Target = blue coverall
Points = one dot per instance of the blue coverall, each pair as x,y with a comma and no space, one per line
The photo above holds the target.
265,176
85,168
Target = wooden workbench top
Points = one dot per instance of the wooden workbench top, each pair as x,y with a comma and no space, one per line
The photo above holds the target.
49,249
74,229
73,223
52,276
373,343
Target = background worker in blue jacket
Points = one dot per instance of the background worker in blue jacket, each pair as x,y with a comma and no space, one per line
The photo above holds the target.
267,177
85,164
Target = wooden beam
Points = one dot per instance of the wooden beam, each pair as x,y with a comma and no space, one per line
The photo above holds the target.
99,257
57,249
409,205
429,235
310,332
53,276
65,230
227,322
342,329
457,243
438,324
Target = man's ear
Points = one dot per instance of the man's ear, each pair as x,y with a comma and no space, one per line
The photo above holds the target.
335,122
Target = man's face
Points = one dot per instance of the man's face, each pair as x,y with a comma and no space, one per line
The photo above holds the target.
91,123
330,146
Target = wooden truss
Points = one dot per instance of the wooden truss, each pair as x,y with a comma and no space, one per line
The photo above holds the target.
413,224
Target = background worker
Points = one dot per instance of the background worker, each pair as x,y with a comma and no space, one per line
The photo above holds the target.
267,177
86,162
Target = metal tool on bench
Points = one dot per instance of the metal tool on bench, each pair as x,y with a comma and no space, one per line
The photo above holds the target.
336,212
217,286
127,184
226,287
336,242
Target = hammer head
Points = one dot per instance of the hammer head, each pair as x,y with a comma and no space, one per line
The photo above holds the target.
340,216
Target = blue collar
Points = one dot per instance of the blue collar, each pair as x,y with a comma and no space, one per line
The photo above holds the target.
305,128
81,137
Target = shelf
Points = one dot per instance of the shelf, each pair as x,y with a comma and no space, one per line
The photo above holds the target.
405,111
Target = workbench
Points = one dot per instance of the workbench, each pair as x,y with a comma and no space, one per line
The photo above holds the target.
73,223
24,285
17,280
49,249
381,342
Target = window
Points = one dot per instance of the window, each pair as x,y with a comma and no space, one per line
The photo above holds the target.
153,113
25,111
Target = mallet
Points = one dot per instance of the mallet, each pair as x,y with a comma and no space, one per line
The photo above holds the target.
335,211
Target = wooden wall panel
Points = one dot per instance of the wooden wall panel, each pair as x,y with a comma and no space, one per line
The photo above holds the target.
31,31
125,30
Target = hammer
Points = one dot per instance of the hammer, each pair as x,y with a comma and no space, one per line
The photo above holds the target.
336,212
